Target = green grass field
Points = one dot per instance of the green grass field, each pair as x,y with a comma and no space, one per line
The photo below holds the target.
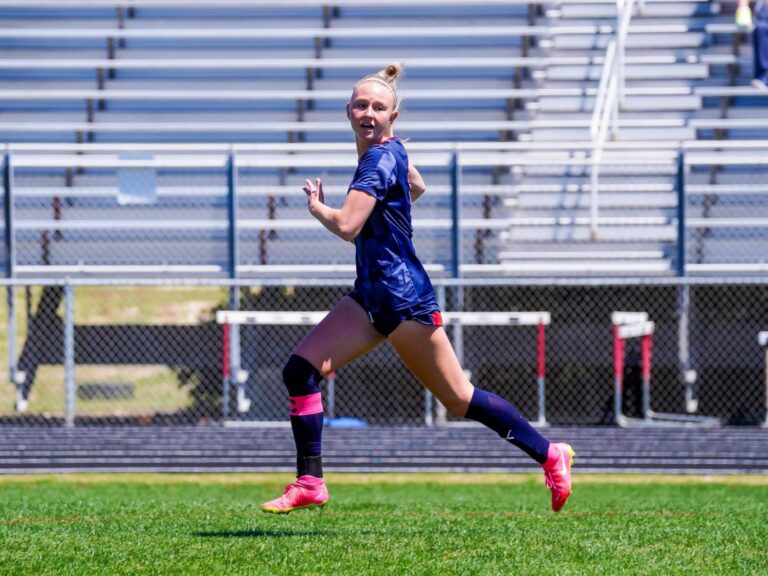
383,524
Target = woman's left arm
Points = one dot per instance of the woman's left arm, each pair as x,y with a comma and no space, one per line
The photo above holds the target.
416,182
347,221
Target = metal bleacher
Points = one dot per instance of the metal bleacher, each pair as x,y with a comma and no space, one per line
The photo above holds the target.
523,75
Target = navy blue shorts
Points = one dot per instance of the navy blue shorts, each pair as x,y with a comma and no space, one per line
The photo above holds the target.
386,322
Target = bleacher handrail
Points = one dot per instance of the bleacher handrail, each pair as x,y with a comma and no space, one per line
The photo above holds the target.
256,3
329,147
331,33
610,98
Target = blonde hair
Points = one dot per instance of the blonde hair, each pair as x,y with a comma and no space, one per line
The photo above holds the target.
386,76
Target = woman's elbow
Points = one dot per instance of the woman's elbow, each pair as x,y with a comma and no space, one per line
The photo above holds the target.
348,232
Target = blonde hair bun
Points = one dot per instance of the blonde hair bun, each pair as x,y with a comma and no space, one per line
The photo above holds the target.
391,72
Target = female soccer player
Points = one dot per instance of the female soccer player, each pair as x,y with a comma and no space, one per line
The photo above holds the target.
392,299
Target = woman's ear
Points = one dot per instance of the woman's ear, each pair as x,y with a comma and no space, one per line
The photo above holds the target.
393,116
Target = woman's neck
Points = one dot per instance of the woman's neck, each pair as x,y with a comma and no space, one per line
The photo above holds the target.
362,146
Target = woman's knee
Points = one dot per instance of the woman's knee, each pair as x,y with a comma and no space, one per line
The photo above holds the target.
300,377
458,404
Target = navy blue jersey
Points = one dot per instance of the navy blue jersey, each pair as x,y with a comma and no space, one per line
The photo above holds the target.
389,275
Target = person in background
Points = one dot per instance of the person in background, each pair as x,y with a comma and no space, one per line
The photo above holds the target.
758,21
392,299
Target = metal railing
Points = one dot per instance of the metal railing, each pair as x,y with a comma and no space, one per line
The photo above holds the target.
610,98
47,215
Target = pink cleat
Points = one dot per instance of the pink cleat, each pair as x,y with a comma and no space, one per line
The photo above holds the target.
557,473
306,492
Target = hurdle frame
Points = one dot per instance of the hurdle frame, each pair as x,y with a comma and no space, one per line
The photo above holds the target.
540,319
628,325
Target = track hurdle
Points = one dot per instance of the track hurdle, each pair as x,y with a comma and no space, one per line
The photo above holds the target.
628,325
762,339
226,318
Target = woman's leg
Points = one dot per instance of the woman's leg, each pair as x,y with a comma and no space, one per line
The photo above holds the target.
342,336
428,353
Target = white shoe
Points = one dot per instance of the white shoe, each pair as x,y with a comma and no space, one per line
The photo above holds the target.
759,84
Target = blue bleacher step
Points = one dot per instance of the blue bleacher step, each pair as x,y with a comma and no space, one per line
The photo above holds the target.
632,72
558,187
625,134
621,231
665,41
631,103
579,201
569,11
577,259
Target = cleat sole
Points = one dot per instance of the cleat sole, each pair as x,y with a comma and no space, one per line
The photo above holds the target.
289,510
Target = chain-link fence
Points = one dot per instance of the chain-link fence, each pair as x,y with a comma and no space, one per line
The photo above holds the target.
115,354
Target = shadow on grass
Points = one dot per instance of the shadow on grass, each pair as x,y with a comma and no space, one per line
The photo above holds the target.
260,533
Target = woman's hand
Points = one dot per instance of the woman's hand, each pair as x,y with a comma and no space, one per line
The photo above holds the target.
314,194
346,222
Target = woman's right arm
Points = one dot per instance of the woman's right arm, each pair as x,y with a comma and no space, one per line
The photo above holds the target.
347,221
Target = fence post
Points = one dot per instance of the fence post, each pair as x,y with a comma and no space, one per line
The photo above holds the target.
681,201
9,238
458,295
69,355
455,213
234,291
687,374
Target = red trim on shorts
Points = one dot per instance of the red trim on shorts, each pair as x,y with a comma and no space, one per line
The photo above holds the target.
437,318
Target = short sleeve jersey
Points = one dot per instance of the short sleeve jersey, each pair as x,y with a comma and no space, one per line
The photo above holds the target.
389,275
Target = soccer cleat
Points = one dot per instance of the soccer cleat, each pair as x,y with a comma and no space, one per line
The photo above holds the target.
557,473
306,492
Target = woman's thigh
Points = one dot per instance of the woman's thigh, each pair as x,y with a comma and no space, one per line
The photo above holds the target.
342,336
428,354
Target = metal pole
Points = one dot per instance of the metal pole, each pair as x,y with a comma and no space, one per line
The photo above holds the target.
686,374
593,183
226,374
15,378
618,374
645,352
69,355
541,372
455,213
330,408
762,340
681,205
429,399
458,298
234,291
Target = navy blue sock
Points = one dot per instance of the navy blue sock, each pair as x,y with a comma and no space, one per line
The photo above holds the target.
303,383
503,418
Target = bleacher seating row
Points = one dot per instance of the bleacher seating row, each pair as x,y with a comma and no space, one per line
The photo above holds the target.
497,72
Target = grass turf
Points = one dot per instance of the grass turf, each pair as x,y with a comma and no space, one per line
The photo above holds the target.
383,524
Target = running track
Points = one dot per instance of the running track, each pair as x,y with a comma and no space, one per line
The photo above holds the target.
456,449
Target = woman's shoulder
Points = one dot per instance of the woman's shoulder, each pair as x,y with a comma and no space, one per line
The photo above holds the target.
387,151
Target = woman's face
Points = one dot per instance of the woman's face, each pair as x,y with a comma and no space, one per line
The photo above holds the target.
371,112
